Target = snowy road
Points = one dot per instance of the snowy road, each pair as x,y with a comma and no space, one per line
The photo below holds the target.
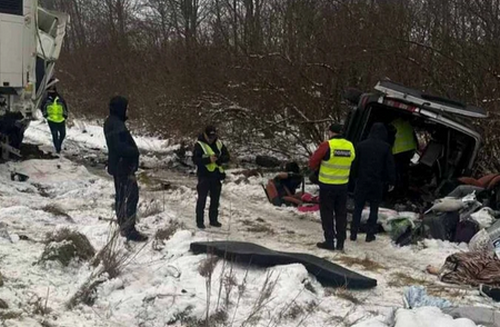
163,283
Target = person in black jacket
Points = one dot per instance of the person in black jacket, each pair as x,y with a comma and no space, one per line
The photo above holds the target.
123,162
55,110
372,171
208,155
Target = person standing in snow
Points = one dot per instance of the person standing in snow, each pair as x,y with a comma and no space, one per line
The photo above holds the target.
55,110
403,149
372,171
208,155
123,162
333,159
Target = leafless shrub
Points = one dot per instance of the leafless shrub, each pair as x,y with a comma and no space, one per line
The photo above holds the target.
39,305
109,263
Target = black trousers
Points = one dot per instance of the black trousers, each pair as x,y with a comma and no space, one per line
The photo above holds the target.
126,199
361,196
402,161
208,186
333,198
58,131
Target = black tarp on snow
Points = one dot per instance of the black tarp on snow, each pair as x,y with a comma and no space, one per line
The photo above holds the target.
327,273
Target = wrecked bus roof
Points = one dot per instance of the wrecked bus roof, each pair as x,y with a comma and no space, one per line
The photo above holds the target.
430,102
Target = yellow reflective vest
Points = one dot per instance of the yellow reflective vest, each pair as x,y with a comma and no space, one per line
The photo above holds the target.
405,140
336,170
55,111
208,152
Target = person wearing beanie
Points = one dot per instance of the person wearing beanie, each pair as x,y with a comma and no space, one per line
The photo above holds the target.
123,162
209,154
55,110
332,161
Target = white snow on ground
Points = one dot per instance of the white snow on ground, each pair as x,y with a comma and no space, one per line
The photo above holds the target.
165,284
84,135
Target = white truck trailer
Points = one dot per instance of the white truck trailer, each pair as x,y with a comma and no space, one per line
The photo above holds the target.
30,43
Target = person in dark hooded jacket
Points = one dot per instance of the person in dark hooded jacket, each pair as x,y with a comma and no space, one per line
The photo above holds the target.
209,154
372,171
123,162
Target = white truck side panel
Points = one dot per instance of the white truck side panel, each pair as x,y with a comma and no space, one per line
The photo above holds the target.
11,46
29,51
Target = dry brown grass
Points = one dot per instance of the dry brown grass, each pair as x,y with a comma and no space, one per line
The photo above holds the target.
343,293
446,292
110,261
207,266
400,279
7,315
258,226
150,208
57,211
39,305
164,234
65,245
367,263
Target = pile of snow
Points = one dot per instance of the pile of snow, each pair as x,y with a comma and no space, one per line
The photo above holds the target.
420,317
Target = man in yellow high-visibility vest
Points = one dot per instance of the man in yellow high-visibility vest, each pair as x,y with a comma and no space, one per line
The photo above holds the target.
403,149
333,161
55,110
209,154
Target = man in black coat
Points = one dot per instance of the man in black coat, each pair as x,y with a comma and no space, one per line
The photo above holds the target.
372,171
123,162
208,155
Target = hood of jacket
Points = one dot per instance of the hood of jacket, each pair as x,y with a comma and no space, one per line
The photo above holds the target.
378,132
118,107
201,138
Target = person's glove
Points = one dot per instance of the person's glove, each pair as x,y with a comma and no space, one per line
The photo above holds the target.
391,188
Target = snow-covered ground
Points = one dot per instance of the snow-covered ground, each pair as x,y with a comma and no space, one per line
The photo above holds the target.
163,283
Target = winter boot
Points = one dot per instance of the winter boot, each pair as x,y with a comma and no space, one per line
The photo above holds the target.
370,238
216,224
340,245
200,226
328,245
135,236
354,237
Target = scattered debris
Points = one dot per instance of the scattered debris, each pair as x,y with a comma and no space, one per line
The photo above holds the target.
18,177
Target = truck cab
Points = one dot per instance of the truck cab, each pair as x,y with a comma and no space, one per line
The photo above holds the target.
30,43
448,143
